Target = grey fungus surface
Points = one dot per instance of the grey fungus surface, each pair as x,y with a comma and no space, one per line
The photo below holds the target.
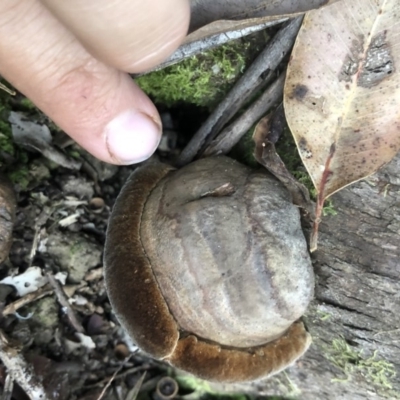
207,268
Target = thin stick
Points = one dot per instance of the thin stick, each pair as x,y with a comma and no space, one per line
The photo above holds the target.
20,370
40,222
103,392
8,90
232,133
27,299
35,242
8,388
194,47
62,299
133,393
118,376
268,60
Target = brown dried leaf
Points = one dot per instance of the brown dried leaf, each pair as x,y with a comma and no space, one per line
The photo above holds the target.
264,136
342,93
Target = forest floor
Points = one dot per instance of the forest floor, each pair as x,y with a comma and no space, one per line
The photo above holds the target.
55,310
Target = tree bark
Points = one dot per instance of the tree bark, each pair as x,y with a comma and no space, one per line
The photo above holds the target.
355,318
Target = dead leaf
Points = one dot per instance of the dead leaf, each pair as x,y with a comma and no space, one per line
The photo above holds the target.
342,93
28,282
265,135
36,137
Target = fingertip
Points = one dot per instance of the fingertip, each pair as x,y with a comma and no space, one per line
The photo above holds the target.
132,137
120,126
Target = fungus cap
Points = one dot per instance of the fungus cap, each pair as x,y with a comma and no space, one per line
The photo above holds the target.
207,268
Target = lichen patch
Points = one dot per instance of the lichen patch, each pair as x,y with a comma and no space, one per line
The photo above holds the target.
378,63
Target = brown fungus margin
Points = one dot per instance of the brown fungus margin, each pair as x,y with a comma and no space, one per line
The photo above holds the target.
141,309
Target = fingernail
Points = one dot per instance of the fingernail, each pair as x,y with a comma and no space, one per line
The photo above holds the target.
132,137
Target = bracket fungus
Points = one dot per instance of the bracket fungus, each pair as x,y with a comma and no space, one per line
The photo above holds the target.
207,268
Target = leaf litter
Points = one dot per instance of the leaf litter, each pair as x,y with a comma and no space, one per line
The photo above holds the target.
342,93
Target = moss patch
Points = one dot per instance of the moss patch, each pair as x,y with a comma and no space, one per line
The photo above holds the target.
351,361
6,143
243,151
19,176
200,389
202,80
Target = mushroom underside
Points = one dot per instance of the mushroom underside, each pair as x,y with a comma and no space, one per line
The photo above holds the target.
230,365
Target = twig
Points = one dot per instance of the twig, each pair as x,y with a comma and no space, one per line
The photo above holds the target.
20,370
8,388
8,90
118,376
103,392
195,46
133,393
40,222
267,61
34,246
232,133
62,299
27,299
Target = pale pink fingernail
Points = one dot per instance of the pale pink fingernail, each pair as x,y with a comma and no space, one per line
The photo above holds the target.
132,137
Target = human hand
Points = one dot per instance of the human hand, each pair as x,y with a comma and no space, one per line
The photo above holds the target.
68,57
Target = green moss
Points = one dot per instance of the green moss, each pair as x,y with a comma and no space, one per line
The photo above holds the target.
199,388
44,313
201,80
191,383
6,142
26,103
351,361
20,176
293,390
76,247
323,315
329,208
287,150
243,151
73,153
